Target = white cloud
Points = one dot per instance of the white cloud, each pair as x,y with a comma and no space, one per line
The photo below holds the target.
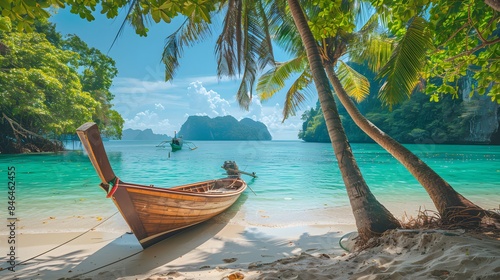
201,100
148,119
166,112
272,117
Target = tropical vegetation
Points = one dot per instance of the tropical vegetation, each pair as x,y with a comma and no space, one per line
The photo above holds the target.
50,85
400,70
415,120
418,52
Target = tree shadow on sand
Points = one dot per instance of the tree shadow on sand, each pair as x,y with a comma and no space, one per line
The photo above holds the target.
122,256
186,251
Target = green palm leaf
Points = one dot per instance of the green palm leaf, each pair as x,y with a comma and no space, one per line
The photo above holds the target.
355,84
374,50
189,33
274,80
244,45
296,94
403,69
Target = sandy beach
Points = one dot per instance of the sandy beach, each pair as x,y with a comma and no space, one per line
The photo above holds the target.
225,248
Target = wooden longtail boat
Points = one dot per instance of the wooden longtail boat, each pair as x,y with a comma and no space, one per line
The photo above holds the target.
156,213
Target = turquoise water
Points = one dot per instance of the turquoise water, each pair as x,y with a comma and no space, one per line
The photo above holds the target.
298,183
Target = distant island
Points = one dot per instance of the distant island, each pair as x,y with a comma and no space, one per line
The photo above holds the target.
147,134
206,128
223,128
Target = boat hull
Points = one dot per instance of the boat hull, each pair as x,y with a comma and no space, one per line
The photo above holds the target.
156,213
176,143
175,147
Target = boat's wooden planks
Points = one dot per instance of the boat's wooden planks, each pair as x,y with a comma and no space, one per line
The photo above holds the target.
156,213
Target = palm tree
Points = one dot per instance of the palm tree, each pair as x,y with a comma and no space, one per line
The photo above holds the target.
447,201
245,46
370,215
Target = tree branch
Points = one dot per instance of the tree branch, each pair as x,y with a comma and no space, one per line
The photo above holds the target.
483,45
494,4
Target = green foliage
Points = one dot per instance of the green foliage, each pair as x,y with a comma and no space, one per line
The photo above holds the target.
342,42
96,72
314,126
355,84
331,17
402,71
468,40
22,13
51,85
465,37
38,83
415,120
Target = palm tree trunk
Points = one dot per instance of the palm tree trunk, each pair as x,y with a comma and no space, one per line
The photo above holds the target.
447,201
372,218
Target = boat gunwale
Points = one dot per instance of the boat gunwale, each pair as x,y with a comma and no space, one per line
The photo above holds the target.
186,192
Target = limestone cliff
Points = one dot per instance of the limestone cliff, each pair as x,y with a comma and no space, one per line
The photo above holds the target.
482,114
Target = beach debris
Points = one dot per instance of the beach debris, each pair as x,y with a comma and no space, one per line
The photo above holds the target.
255,265
231,260
324,256
162,276
174,274
234,276
205,267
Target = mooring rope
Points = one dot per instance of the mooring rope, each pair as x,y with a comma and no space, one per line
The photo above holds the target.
64,243
344,236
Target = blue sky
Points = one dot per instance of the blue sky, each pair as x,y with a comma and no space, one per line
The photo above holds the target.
145,100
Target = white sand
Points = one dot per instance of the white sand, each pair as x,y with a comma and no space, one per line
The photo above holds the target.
217,250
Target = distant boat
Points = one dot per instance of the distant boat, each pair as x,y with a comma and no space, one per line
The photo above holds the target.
155,213
176,143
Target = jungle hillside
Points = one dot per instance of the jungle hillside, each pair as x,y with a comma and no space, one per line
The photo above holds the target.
464,119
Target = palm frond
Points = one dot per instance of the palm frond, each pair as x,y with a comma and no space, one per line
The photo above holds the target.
296,94
284,30
189,33
229,44
384,13
138,20
356,85
265,50
244,45
274,80
374,50
371,25
244,94
407,61
364,13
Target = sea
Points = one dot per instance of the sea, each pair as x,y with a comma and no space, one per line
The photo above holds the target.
297,183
